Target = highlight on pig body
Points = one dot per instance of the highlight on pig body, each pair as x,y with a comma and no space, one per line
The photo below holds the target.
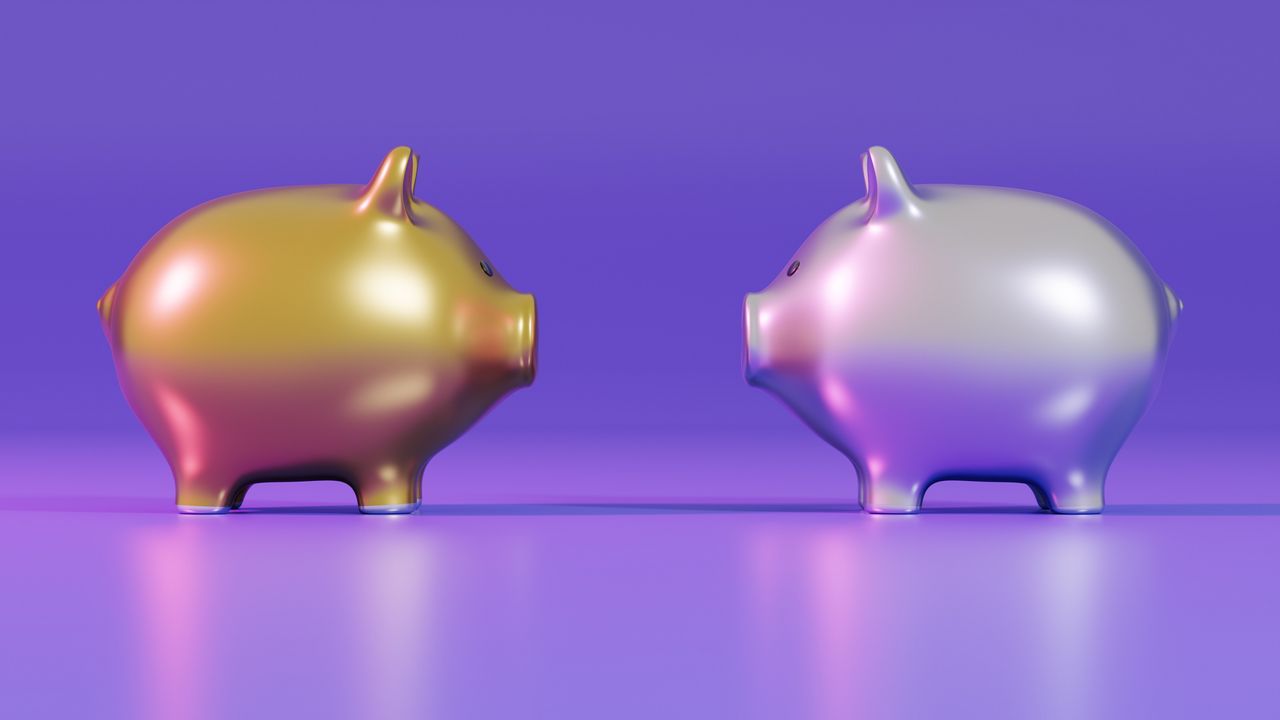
945,331
325,332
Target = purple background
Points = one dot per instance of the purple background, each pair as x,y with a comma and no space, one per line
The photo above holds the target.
639,534
641,168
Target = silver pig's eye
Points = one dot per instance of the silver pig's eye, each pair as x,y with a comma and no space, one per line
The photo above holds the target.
486,267
794,267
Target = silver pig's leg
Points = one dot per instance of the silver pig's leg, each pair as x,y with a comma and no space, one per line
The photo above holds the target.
892,490
1042,497
1075,491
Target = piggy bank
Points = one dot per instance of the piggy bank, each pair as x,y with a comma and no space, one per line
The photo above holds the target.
323,332
946,331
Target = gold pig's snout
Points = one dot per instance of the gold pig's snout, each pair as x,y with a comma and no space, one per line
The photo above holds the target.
526,338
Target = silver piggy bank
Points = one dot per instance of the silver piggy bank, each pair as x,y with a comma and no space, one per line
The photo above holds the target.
945,331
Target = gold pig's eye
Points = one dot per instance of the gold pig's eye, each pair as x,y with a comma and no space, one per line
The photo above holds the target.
794,267
486,267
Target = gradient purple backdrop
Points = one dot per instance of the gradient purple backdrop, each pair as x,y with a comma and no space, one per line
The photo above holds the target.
640,168
612,541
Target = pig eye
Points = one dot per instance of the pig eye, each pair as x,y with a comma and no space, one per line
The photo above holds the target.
794,267
486,267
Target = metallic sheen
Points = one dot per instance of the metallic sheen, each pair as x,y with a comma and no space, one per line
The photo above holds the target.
950,331
331,331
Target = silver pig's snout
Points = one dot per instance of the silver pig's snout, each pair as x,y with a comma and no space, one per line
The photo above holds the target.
751,352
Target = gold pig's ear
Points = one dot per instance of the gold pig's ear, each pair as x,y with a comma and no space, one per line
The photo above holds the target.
105,304
888,191
390,192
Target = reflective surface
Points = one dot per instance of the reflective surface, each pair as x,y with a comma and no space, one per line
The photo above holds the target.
333,331
952,331
633,577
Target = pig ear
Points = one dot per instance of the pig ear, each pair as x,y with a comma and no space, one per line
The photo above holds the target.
888,191
391,189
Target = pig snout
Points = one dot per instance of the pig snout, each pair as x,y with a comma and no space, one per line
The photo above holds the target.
753,355
525,338
501,334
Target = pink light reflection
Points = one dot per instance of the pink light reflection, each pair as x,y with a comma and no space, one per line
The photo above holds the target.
189,433
836,397
834,594
818,572
173,618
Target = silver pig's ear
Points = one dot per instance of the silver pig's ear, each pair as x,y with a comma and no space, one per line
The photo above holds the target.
888,192
391,189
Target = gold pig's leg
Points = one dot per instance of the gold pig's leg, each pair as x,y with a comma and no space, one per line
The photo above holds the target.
207,495
237,498
393,487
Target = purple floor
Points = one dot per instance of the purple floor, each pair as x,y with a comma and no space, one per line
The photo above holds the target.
529,588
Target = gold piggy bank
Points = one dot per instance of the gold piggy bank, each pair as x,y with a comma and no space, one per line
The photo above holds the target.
322,332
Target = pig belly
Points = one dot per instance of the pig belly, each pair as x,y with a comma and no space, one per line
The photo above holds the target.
954,418
324,420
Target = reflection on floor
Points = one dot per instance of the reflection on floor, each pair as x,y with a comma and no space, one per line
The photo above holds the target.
638,577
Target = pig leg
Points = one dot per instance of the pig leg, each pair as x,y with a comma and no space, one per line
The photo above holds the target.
1042,497
237,499
207,495
894,490
1075,491
389,488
